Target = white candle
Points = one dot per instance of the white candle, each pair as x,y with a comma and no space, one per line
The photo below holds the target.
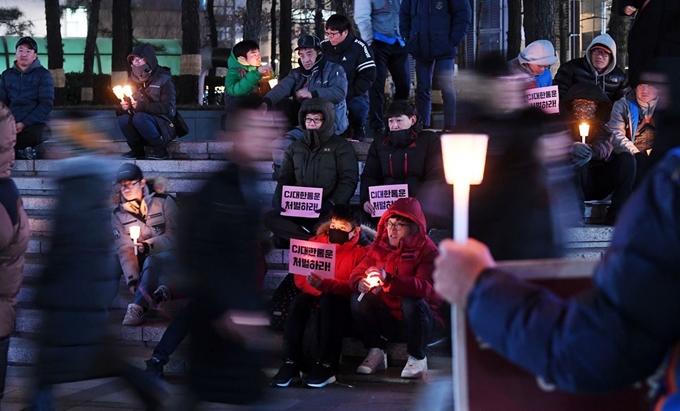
464,159
584,129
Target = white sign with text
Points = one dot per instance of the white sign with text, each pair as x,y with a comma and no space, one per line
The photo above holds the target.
382,197
545,98
301,201
310,257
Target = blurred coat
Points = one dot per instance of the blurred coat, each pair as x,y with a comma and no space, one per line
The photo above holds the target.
14,229
79,280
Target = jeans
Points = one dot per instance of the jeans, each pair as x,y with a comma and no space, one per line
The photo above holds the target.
334,314
172,337
441,71
32,136
377,325
140,129
357,108
154,272
394,58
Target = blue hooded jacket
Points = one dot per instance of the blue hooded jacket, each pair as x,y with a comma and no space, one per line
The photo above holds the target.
28,94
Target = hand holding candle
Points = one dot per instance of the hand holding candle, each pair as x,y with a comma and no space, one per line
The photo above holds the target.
134,234
373,280
118,91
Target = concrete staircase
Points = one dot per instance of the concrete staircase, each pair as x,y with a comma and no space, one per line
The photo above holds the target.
192,164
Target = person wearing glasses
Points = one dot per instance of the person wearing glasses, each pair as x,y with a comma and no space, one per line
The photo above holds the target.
345,49
597,67
28,90
319,159
145,260
535,60
145,119
394,297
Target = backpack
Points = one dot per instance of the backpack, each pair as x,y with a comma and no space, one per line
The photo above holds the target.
280,303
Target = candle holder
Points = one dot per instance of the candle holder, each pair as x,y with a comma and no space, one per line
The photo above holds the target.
373,279
583,129
135,231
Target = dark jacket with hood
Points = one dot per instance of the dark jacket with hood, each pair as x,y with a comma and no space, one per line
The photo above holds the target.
153,89
580,70
409,266
434,29
320,159
357,59
599,138
620,331
14,230
28,94
412,157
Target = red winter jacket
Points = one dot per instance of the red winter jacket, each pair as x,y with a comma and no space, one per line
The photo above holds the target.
410,265
348,256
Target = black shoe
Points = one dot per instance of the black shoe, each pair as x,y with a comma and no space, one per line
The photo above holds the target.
159,153
154,367
289,372
134,155
322,374
26,154
360,133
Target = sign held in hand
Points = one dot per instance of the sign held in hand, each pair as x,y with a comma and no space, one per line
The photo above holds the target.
382,197
301,201
308,256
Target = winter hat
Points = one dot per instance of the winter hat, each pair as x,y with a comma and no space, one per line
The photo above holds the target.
540,52
129,172
8,137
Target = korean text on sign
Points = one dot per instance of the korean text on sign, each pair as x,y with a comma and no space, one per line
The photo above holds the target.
545,98
382,197
307,256
301,201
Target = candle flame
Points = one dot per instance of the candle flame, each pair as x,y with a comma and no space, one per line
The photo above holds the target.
118,91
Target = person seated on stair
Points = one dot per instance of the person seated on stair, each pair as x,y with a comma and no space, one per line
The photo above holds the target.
145,119
145,261
247,79
330,297
320,159
394,297
600,171
408,155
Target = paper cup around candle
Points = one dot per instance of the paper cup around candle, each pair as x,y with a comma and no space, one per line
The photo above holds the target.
273,83
464,157
134,232
584,129
118,91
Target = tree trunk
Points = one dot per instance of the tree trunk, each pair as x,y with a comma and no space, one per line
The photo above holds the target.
190,61
285,38
564,30
273,43
514,28
319,26
340,8
55,51
121,40
619,27
87,92
539,20
212,23
253,20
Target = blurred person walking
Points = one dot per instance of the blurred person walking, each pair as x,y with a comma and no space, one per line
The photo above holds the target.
14,237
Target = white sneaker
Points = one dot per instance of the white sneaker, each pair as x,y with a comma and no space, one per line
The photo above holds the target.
414,368
376,360
134,315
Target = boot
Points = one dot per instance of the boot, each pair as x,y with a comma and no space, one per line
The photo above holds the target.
4,348
159,151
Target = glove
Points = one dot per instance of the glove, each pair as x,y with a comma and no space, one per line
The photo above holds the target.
581,150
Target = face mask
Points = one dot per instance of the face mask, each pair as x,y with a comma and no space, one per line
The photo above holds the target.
141,71
336,236
400,138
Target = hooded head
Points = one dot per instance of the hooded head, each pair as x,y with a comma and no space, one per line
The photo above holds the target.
141,70
8,137
313,107
406,225
579,94
601,54
538,56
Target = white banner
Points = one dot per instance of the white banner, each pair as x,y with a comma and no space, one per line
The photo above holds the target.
310,257
382,197
301,201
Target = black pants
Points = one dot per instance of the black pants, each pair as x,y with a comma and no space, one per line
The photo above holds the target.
290,227
376,324
173,336
334,322
598,179
394,58
32,136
